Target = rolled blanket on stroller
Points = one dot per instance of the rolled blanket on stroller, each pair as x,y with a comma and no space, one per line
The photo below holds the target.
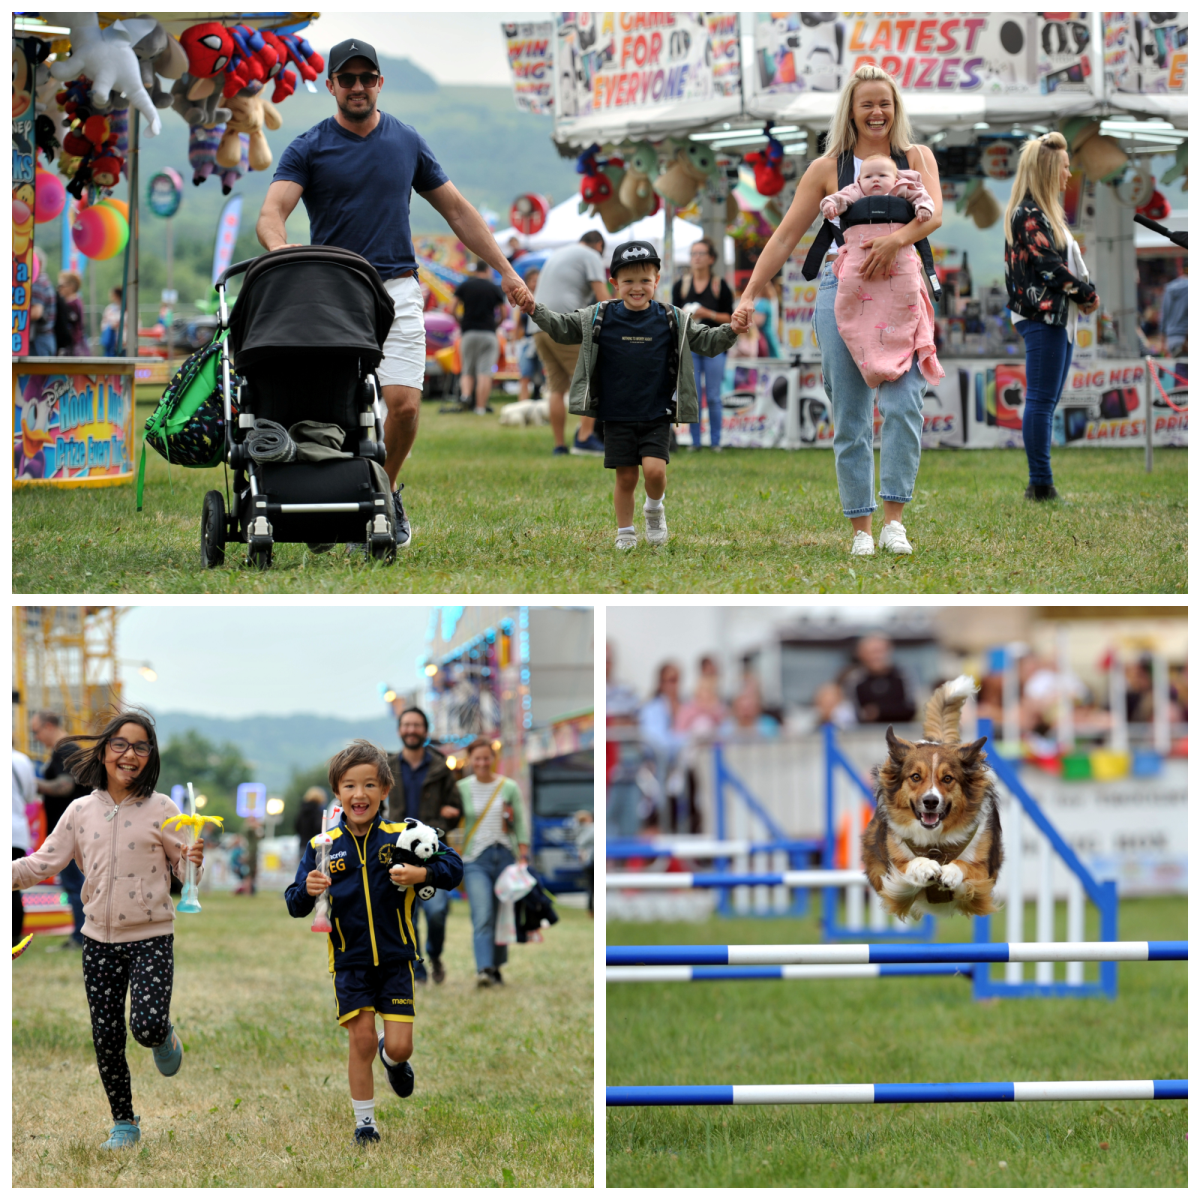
269,442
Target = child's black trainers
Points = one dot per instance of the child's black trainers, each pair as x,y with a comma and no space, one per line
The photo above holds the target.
366,1135
400,1076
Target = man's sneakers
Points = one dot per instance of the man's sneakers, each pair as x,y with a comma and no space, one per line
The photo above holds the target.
438,971
124,1135
626,539
169,1055
1042,491
894,538
403,528
400,1076
863,544
590,445
497,978
559,450
483,979
656,525
366,1135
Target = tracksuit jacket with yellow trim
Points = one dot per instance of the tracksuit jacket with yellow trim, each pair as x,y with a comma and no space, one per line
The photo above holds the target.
372,919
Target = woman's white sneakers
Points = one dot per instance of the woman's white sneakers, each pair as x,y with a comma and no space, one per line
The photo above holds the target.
893,537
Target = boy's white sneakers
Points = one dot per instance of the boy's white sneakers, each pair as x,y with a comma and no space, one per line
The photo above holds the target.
863,544
656,525
626,541
893,538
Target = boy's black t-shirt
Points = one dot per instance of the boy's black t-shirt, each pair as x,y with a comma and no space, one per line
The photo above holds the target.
633,367
479,300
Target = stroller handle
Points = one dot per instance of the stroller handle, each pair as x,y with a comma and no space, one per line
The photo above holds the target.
235,269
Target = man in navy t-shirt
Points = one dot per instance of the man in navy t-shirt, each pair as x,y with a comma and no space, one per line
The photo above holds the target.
355,172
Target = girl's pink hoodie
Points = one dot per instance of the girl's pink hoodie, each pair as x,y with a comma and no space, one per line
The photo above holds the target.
126,858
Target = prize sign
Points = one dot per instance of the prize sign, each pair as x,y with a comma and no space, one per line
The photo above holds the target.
528,213
252,801
164,193
530,49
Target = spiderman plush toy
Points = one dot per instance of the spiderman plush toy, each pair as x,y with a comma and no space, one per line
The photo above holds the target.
596,186
768,178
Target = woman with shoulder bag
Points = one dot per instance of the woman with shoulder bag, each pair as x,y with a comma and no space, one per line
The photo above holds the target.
1038,272
496,836
711,303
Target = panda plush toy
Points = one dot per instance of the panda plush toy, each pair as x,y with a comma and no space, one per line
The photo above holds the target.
416,845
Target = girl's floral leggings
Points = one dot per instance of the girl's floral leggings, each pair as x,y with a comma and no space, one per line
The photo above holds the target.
146,970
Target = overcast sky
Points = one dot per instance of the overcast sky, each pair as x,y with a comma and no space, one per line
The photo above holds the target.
454,47
244,660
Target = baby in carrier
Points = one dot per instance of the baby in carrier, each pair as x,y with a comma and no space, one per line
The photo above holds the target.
883,322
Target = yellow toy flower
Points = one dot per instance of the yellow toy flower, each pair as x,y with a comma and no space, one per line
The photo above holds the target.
196,822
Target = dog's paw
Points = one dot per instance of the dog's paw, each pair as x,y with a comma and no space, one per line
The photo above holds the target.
922,871
952,877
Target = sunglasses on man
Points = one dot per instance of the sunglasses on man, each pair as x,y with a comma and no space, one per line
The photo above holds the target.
347,79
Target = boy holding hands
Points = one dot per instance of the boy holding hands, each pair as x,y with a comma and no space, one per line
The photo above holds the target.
372,946
635,373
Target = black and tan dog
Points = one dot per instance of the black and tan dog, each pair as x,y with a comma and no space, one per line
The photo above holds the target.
933,844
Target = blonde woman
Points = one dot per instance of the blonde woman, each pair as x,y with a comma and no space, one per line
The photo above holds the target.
1041,287
869,119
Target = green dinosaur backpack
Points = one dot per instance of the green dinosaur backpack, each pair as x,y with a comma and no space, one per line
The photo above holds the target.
188,426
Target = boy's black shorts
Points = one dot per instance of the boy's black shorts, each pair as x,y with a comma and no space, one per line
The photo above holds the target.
387,990
626,443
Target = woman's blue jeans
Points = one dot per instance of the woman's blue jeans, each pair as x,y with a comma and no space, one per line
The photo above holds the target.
479,880
1047,361
852,403
435,910
709,372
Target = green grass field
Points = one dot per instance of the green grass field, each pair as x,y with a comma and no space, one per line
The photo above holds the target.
504,1078
492,511
895,1031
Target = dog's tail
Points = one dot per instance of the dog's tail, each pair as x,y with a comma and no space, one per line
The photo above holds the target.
945,707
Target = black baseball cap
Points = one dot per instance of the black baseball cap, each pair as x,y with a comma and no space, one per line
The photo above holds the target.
629,254
343,52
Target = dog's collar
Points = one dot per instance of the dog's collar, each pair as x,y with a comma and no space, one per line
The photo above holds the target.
939,854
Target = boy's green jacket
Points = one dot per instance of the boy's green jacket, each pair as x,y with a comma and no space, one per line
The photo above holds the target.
578,327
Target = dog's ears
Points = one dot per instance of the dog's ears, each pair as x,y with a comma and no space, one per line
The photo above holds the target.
898,748
969,754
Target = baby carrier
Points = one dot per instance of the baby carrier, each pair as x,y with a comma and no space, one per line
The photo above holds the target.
301,420
870,210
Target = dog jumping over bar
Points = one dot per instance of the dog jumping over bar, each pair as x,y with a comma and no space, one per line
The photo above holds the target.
933,845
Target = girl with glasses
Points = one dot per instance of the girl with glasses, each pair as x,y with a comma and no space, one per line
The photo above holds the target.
116,835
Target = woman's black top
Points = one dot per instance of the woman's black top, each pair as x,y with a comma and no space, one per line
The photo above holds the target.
1039,284
719,301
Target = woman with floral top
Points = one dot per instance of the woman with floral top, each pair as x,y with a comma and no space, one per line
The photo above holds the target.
1041,289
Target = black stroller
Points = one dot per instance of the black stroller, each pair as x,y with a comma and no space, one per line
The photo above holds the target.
305,337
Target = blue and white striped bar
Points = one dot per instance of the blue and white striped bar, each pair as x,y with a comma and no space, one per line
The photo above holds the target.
671,880
938,952
899,1093
844,971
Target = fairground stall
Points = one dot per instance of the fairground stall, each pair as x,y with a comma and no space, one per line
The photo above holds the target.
715,116
87,88
523,677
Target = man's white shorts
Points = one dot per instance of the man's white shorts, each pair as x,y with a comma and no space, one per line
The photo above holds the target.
404,350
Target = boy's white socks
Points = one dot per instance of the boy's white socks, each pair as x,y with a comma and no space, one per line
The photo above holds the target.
364,1113
387,1062
625,529
653,505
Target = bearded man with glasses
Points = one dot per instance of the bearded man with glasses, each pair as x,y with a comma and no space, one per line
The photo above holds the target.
355,172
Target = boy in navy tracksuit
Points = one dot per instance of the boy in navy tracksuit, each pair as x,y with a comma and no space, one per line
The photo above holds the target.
373,943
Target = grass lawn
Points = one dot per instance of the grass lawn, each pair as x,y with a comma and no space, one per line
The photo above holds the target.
493,511
895,1031
504,1078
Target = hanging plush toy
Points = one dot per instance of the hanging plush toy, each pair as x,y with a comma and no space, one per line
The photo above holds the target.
198,101
250,113
1099,156
601,180
285,80
982,207
254,61
1180,167
202,150
158,53
637,190
92,155
306,60
768,178
230,175
208,47
687,172
107,58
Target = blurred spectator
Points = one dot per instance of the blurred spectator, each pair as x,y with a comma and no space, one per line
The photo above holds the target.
1043,687
251,835
42,310
747,719
660,714
880,691
1175,312
623,756
308,819
24,791
69,331
1139,690
704,712
110,325
832,707
515,252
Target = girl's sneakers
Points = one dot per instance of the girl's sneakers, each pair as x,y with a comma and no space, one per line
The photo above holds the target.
400,1076
169,1055
656,525
124,1134
863,544
894,537
626,541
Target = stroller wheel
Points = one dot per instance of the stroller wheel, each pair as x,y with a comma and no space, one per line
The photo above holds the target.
260,555
383,549
212,531
381,539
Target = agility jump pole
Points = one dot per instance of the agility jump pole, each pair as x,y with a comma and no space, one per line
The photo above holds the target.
899,1093
836,971
938,952
672,880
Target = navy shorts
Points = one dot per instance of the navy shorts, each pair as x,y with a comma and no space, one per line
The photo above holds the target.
385,990
626,443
